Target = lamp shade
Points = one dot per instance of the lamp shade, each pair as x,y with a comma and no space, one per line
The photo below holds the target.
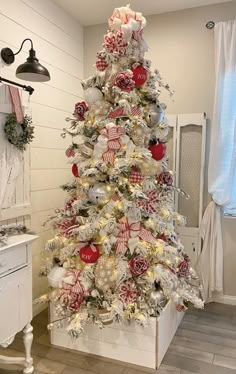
32,70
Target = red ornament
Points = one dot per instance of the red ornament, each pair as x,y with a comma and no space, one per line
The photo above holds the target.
101,64
139,75
138,265
89,254
70,151
158,151
75,170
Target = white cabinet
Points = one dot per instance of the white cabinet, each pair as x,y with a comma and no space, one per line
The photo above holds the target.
16,297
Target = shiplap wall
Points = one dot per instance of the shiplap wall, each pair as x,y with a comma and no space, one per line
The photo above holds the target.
58,41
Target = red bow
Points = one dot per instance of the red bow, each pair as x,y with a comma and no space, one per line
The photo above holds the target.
149,205
128,231
113,143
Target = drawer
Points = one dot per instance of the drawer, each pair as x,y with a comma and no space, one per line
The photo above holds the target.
12,259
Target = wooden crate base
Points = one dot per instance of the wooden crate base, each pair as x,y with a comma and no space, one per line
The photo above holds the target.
132,344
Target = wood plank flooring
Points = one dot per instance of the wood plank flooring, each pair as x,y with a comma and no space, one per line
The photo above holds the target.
205,343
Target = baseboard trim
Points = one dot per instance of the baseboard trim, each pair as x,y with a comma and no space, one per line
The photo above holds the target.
225,299
38,308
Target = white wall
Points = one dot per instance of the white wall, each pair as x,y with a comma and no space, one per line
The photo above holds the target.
58,41
183,50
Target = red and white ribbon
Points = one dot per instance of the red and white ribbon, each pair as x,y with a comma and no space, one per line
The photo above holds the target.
149,205
113,135
128,231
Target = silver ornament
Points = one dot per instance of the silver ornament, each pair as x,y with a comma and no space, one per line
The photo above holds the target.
156,115
157,298
100,193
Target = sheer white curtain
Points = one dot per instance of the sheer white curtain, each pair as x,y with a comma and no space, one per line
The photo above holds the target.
222,163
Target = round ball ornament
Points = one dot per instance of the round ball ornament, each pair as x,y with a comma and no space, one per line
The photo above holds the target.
101,64
157,298
139,75
55,276
156,115
89,254
158,151
100,193
92,95
106,273
75,170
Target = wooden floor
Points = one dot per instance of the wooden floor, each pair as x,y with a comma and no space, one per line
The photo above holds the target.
205,343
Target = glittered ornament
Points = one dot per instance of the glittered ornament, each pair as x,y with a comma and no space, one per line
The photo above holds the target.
157,298
92,95
89,254
139,75
55,276
138,265
139,134
106,272
100,193
75,170
158,151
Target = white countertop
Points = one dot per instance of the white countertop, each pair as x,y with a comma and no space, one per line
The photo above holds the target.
14,240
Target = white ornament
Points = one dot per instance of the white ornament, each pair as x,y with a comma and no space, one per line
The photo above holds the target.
92,95
55,276
100,193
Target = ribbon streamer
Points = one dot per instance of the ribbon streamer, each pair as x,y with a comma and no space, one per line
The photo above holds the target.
129,235
113,135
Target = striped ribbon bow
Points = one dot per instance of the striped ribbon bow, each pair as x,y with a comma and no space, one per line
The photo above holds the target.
149,205
113,135
129,235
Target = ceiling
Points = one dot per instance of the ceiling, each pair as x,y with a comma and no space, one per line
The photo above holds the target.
91,12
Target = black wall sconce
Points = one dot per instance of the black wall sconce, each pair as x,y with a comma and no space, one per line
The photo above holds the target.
31,70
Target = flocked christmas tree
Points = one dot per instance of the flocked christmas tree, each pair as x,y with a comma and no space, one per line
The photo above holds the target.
116,255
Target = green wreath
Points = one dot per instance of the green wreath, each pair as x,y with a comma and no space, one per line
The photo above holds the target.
19,134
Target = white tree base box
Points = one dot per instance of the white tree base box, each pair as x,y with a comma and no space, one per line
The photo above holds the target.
132,344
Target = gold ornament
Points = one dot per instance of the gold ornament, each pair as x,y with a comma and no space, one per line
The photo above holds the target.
106,272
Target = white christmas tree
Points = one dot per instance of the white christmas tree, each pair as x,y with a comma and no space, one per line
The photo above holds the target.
116,255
